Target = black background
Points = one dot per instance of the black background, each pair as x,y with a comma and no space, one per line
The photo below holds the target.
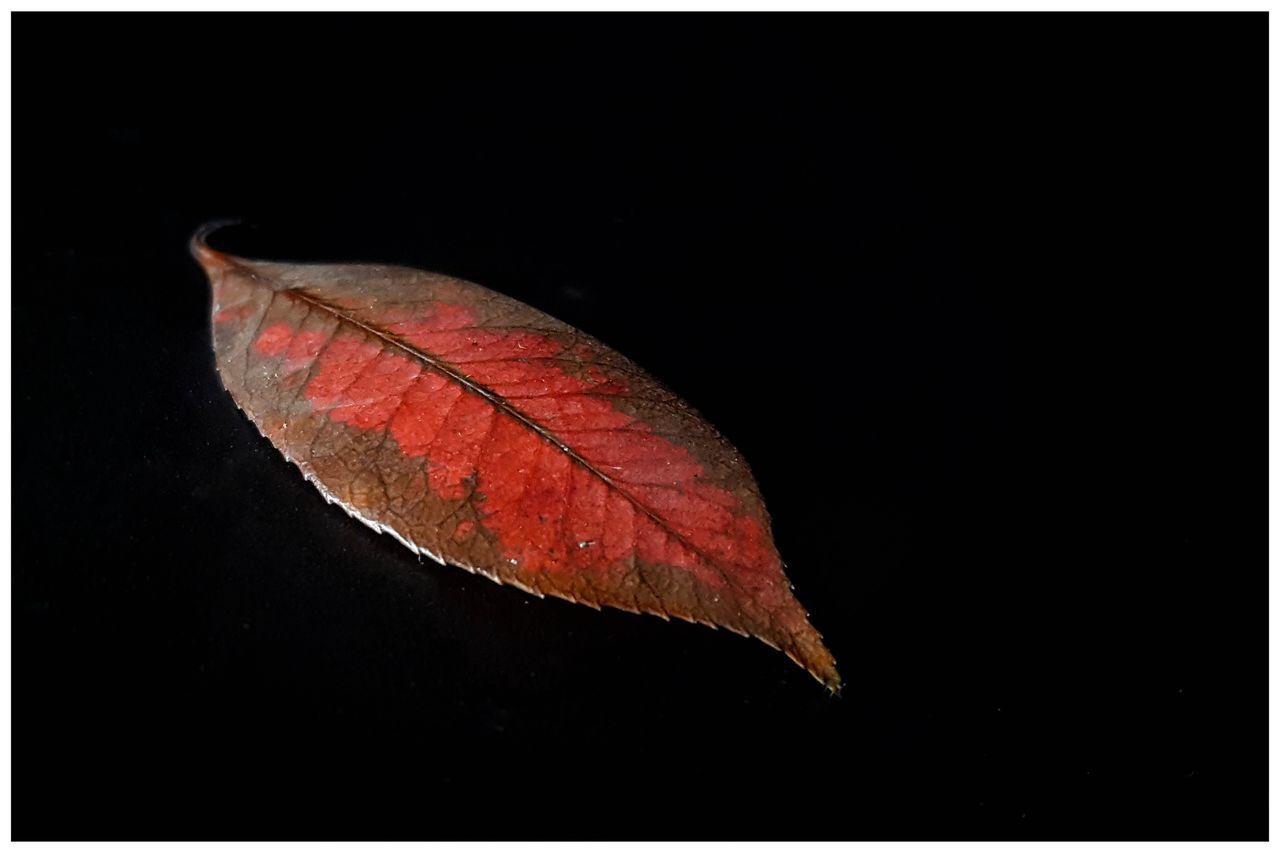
980,297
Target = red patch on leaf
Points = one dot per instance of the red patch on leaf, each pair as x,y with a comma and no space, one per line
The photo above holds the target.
549,513
274,339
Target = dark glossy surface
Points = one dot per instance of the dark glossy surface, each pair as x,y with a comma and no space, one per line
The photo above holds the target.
1009,270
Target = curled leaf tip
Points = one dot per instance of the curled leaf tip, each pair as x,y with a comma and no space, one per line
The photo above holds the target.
211,259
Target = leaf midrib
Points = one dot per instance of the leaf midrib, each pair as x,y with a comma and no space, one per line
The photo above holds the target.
505,406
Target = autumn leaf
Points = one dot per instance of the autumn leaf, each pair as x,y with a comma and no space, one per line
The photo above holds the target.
488,435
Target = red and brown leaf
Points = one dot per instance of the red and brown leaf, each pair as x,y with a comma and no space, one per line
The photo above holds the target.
486,434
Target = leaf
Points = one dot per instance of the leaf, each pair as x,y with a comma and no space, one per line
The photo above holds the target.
485,434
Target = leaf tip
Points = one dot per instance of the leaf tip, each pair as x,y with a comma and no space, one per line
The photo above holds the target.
827,676
211,259
812,655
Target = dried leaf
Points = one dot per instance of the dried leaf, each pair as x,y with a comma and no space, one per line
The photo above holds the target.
485,434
